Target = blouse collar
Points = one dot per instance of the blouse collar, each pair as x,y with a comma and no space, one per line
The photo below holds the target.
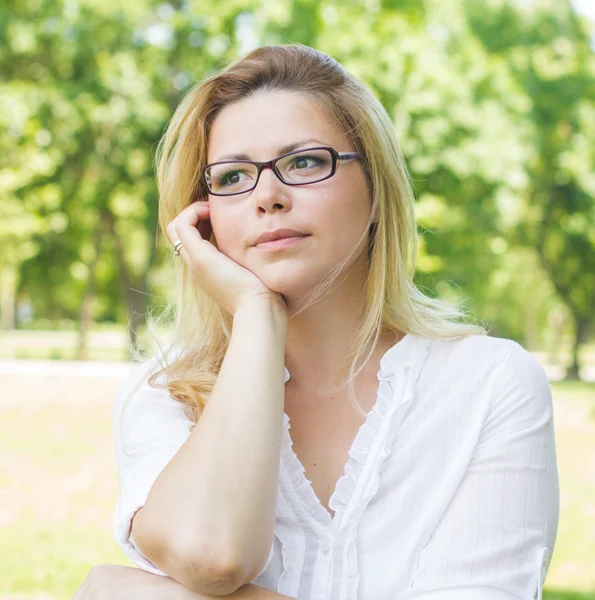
407,352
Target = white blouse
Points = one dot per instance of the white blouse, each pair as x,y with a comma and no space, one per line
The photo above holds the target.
450,491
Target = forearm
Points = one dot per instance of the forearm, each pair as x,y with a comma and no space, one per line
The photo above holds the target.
111,581
216,498
172,590
246,592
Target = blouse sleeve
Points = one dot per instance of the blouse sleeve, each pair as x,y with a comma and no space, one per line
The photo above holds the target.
496,537
149,429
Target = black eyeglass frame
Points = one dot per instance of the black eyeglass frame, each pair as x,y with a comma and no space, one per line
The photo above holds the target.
336,157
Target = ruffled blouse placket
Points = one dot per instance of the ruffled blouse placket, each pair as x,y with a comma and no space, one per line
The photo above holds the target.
359,483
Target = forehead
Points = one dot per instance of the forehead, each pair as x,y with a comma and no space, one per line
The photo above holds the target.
261,124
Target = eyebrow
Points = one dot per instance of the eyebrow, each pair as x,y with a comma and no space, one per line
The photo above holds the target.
280,151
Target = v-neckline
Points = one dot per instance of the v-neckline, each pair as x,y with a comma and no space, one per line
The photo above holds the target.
312,501
366,445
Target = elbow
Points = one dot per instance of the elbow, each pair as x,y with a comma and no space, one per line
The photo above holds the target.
218,574
244,568
200,569
203,571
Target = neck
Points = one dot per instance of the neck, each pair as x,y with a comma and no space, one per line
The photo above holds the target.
318,338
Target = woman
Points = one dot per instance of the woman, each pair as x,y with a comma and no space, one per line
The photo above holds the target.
249,465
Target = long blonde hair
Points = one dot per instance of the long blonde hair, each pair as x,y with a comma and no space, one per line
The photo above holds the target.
391,300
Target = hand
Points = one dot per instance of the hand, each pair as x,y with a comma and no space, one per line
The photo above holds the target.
116,582
225,281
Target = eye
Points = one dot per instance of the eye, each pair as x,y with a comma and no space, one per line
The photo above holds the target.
306,161
231,178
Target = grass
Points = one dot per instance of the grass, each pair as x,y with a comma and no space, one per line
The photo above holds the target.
58,487
105,343
573,563
49,340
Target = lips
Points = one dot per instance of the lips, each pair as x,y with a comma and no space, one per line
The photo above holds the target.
278,234
282,243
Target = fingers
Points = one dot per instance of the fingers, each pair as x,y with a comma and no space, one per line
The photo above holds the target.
185,228
185,225
80,593
188,219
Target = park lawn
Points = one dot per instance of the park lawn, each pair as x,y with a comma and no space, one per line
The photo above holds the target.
106,343
58,487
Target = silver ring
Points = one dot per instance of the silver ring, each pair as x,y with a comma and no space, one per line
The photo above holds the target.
177,247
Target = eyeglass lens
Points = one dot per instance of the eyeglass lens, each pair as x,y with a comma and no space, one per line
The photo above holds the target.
305,166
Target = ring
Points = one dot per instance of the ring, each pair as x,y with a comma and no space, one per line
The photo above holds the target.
177,247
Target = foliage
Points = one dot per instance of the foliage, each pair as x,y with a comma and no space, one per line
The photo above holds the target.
493,104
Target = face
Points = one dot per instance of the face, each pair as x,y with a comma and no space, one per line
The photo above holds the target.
334,212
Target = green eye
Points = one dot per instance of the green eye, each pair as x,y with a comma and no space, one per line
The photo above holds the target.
231,178
305,162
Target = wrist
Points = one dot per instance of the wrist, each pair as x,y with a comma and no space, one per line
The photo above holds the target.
273,306
264,318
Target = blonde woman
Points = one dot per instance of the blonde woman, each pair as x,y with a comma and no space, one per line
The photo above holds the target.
319,428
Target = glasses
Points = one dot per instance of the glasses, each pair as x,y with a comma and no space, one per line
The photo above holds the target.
302,167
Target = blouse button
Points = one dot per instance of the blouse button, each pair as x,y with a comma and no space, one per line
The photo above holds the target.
327,549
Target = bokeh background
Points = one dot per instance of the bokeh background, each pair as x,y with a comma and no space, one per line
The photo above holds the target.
494,104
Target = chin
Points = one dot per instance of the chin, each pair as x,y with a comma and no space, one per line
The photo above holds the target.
288,280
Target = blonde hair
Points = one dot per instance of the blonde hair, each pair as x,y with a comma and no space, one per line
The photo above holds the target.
391,300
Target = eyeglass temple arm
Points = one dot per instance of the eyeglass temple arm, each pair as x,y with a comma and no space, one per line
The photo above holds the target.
347,155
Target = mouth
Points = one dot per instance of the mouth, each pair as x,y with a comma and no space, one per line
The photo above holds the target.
282,243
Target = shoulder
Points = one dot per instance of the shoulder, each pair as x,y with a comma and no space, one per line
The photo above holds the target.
136,384
482,353
143,411
476,347
498,370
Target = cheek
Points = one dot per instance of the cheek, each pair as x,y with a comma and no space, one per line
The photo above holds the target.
346,212
228,231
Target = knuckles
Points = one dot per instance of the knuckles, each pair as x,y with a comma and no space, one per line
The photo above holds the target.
171,230
99,582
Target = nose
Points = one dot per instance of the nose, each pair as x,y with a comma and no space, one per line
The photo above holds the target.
270,193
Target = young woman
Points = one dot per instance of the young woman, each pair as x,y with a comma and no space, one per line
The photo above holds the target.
319,429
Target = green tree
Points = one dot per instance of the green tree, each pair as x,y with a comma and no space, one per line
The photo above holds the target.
493,105
95,109
548,53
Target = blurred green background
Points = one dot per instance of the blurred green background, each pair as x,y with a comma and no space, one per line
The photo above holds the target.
494,104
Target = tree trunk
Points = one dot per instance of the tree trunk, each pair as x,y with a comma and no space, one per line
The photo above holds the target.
8,287
136,316
580,337
86,318
531,329
133,292
556,322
